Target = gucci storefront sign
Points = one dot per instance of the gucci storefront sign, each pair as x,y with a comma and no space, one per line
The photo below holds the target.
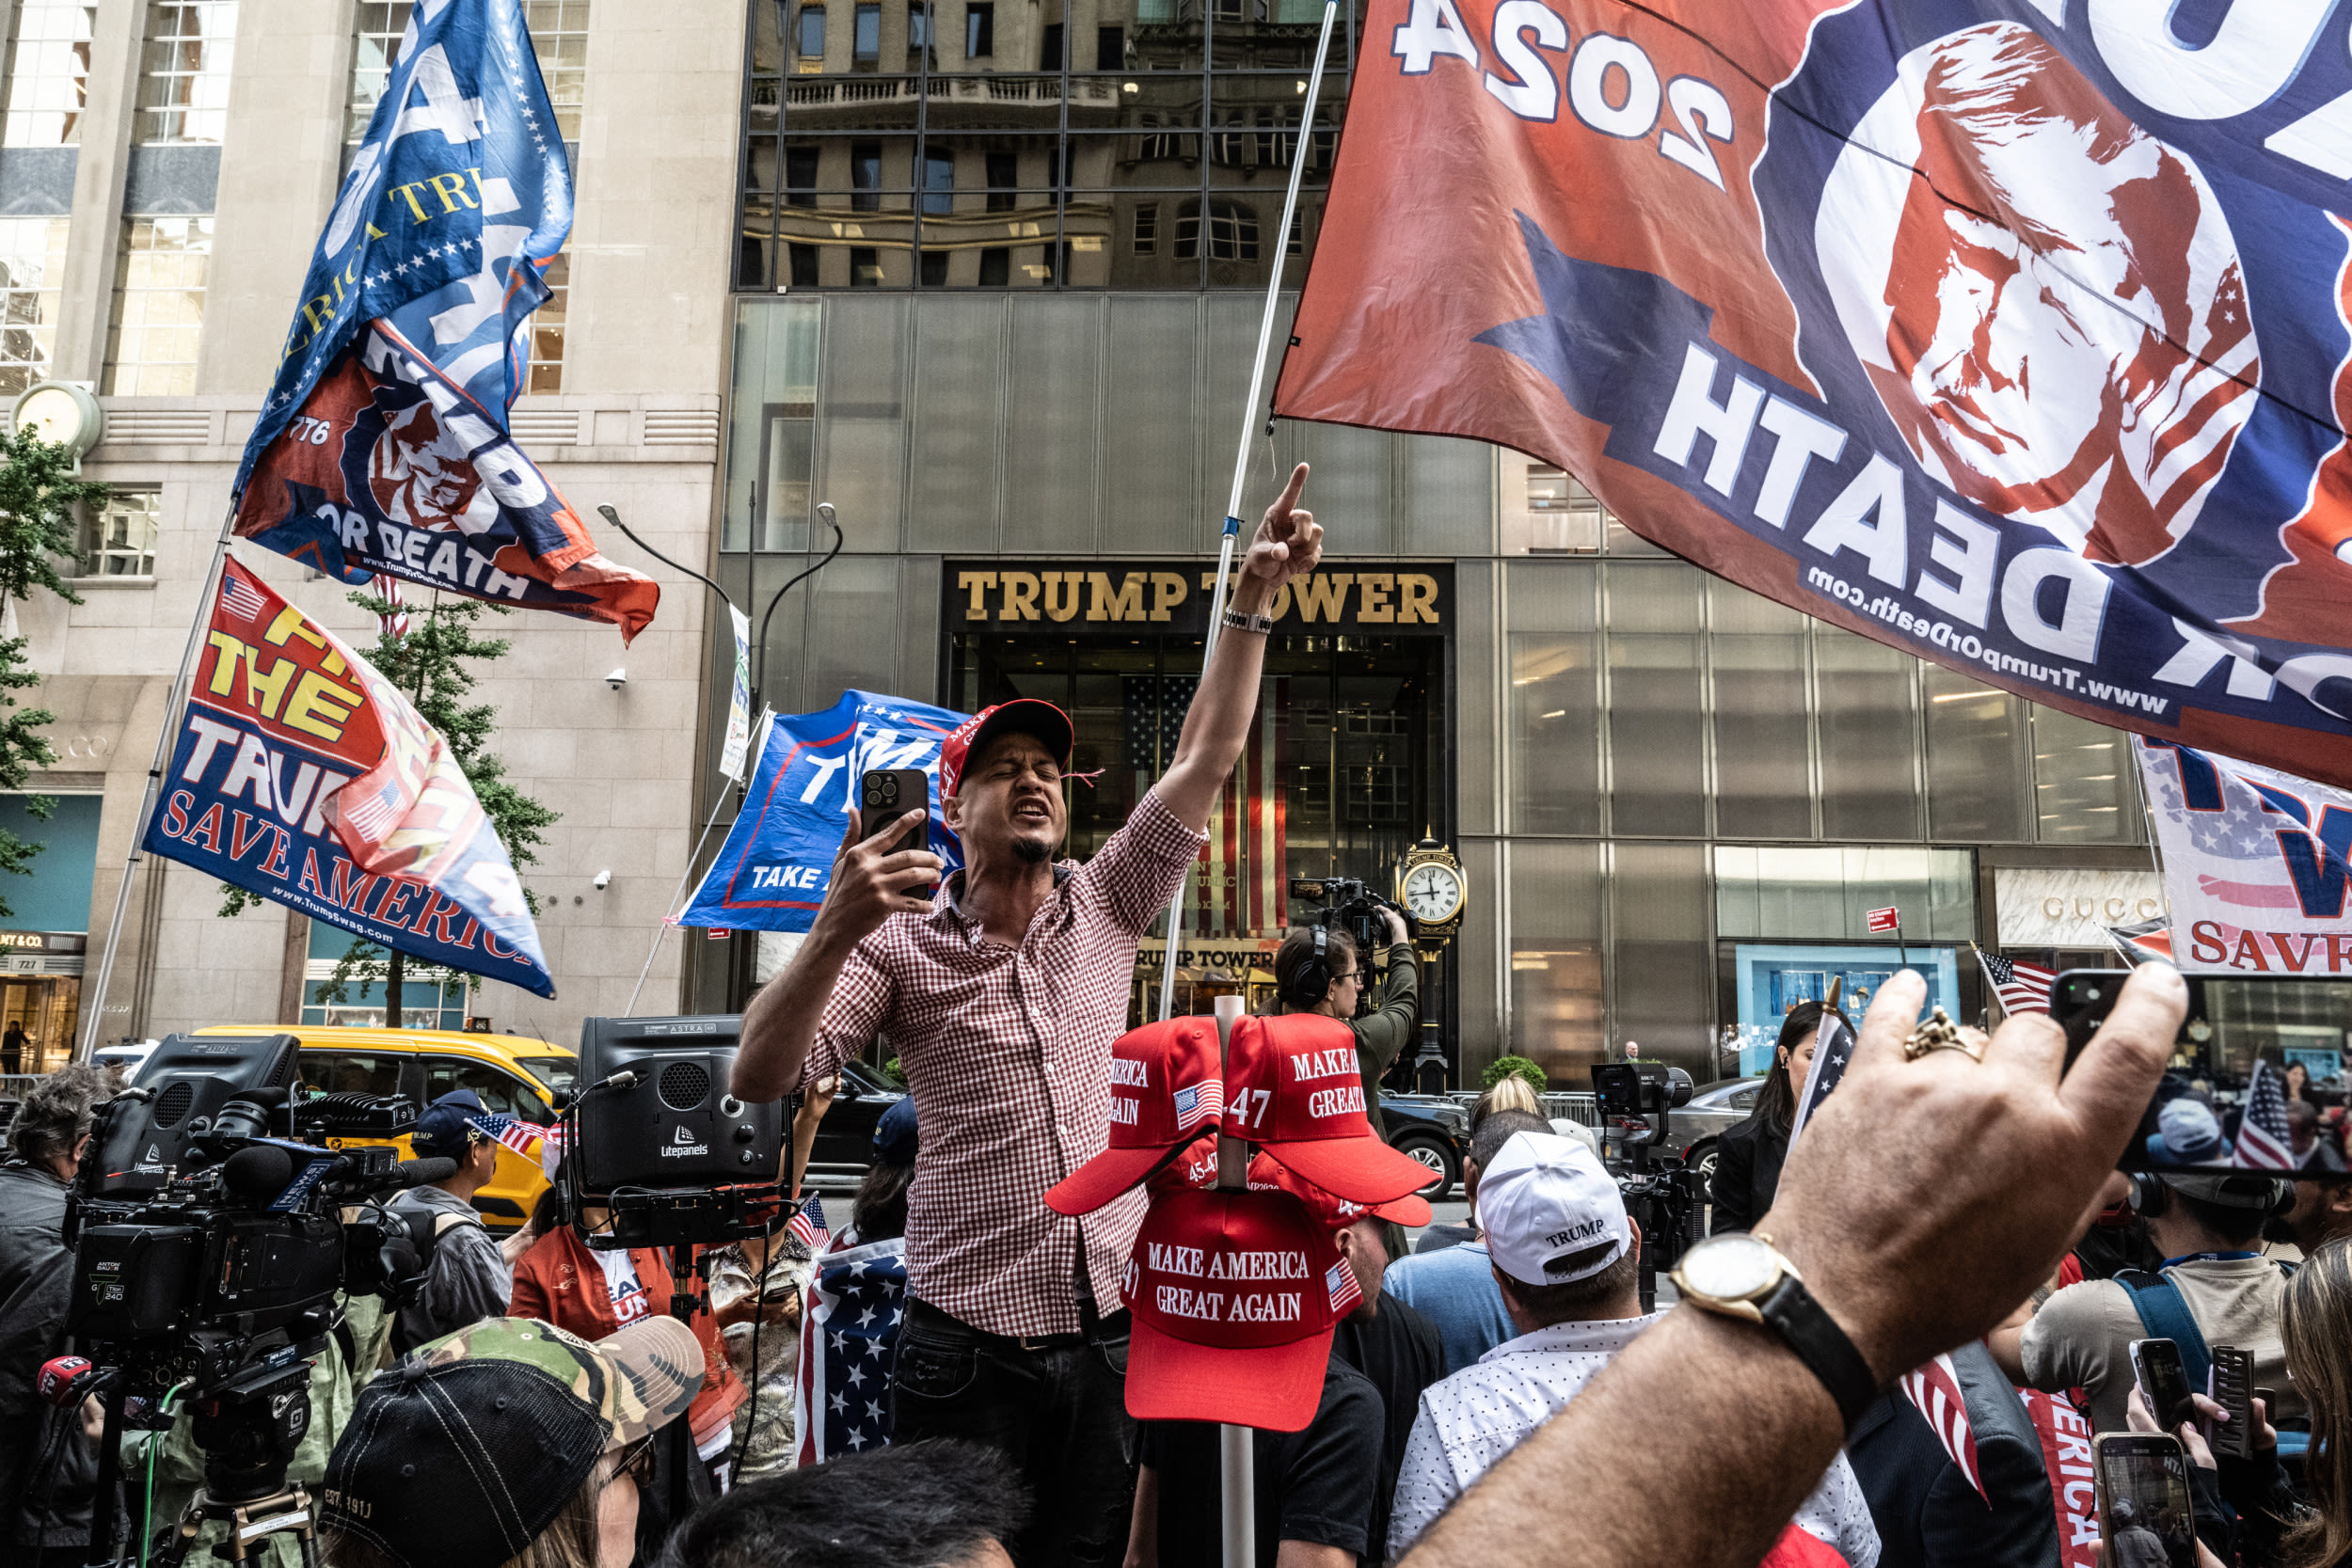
2054,907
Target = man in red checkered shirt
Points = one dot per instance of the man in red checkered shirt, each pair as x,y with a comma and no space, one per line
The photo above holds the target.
1001,993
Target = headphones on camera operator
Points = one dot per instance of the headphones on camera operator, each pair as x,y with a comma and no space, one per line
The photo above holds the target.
1311,982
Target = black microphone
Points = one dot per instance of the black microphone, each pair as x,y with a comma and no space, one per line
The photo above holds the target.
257,1172
423,1172
263,1094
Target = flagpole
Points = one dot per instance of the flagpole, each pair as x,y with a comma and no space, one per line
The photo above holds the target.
1241,454
174,700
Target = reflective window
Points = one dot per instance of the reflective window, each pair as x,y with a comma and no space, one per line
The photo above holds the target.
120,540
48,77
1557,1011
158,307
500,1091
184,71
2083,788
373,1072
32,266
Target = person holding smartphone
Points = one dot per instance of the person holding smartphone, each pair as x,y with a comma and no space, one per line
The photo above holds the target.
1001,991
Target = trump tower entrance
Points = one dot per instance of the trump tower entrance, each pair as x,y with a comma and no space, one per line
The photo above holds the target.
1348,764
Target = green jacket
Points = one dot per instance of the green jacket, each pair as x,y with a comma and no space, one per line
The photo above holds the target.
1382,1033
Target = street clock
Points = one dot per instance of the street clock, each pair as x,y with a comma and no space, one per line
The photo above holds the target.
60,411
1430,886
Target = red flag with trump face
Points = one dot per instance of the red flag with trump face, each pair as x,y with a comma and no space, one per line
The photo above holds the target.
2015,336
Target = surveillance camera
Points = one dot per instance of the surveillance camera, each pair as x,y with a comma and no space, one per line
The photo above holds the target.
604,880
824,510
617,679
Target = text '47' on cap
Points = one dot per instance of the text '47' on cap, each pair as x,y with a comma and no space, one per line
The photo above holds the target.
1292,1086
1165,1089
1234,1296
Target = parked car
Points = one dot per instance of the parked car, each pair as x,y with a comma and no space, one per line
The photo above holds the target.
1432,1130
1692,1129
512,1075
845,1139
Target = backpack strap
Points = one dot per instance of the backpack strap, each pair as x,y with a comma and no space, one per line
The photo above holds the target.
2164,1312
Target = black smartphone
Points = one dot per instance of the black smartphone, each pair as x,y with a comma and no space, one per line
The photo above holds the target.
2141,1480
2212,1111
2233,1391
2162,1381
886,794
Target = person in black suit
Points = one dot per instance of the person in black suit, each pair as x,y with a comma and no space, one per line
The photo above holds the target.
1927,1513
1747,1164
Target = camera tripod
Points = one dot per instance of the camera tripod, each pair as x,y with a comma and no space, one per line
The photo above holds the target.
249,1429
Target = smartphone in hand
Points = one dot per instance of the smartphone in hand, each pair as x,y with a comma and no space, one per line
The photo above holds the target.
886,794
2233,1391
2141,1480
2162,1381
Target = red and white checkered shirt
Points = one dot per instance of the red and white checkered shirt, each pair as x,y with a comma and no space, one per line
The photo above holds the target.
1008,1051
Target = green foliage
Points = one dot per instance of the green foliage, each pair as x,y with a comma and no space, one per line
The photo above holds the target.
896,1072
39,490
431,663
1518,1066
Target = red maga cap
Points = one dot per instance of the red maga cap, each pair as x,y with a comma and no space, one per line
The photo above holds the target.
1234,1296
1294,1088
1021,716
1167,1084
1195,1169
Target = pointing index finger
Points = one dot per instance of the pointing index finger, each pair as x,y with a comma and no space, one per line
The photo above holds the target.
1290,491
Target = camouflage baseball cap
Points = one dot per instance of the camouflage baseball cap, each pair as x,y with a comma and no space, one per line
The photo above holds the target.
461,1454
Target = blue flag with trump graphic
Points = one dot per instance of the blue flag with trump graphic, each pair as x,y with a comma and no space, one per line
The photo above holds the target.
302,774
383,447
772,872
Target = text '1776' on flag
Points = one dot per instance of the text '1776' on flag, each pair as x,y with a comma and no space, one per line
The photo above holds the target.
302,774
383,447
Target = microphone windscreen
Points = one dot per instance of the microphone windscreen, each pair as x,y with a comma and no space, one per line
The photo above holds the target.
260,1171
419,1173
263,1094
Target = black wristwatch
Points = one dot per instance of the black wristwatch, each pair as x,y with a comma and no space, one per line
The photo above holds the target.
1738,1274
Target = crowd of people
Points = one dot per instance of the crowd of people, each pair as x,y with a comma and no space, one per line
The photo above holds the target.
944,1382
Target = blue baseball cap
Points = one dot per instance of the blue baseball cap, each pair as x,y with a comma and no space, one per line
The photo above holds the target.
894,1138
441,1132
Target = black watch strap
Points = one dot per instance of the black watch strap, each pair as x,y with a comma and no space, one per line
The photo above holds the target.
1794,1314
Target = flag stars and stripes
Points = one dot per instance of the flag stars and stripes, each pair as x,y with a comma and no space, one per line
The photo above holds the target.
2263,1141
2022,988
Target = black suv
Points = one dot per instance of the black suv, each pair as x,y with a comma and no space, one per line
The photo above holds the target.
1432,1130
845,1139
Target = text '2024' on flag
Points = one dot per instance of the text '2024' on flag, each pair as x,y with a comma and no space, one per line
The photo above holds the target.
2014,336
383,447
302,774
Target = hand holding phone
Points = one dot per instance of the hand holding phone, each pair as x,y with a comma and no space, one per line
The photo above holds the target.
2163,1383
2141,1480
886,795
876,875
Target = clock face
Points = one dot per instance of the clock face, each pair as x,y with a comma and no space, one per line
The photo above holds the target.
52,412
1432,893
1730,1267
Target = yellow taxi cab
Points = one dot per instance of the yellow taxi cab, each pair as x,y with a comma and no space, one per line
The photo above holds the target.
512,1074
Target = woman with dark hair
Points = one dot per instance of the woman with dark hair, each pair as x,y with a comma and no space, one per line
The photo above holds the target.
1747,1164
2315,1328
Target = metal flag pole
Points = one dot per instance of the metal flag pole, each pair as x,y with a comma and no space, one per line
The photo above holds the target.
1241,454
1237,1477
174,700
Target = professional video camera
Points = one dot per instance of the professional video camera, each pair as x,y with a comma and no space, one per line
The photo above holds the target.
1350,905
212,1229
1667,1204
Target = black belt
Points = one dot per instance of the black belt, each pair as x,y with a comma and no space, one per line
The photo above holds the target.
922,1315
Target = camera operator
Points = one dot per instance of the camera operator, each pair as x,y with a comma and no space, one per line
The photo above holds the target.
1330,980
468,1278
48,1460
1002,992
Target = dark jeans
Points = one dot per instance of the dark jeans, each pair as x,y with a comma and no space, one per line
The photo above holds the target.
1057,1405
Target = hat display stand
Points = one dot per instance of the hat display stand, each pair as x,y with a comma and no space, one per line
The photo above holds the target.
1237,1478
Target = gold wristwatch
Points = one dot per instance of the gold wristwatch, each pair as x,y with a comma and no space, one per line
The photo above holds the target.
1740,1275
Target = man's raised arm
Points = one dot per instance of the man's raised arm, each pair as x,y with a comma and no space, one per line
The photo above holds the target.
1924,1199
870,884
1287,544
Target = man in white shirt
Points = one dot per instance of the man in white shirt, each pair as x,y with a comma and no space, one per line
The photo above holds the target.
1567,1258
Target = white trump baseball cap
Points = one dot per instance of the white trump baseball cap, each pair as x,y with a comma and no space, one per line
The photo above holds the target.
1546,1199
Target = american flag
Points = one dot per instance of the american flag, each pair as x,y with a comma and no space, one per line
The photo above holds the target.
552,1143
849,1337
504,1130
238,595
1935,1389
373,815
2262,1140
1241,886
2024,988
393,622
1198,1103
808,1223
1340,1280
1833,1048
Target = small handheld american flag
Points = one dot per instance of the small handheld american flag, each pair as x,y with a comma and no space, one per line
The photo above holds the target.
808,1223
1935,1388
2263,1142
504,1130
2024,988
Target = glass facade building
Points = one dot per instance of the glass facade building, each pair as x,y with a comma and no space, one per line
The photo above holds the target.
1012,352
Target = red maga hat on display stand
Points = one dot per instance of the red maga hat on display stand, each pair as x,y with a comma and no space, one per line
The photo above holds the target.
1294,1088
1165,1089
